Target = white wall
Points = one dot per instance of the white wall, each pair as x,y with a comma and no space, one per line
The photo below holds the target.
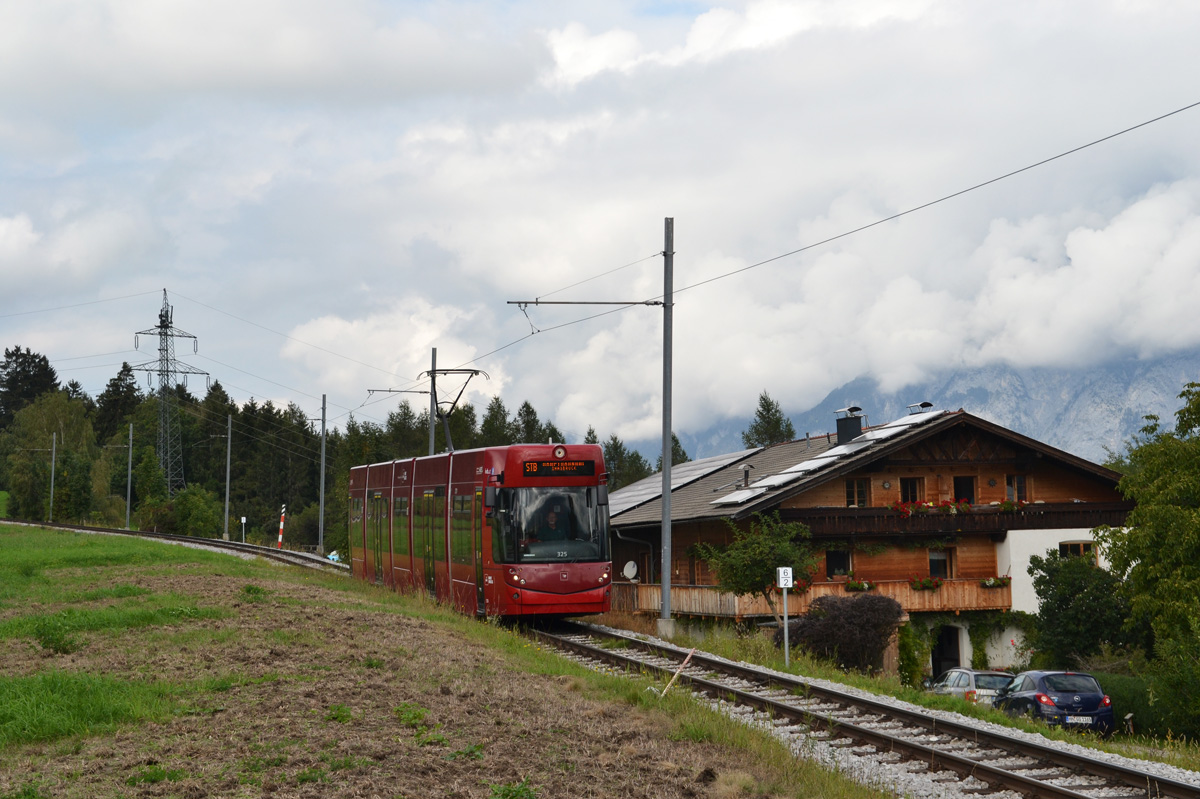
1013,554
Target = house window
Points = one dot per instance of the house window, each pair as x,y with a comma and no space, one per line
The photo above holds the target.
1014,487
837,561
1075,549
912,489
964,489
941,563
856,492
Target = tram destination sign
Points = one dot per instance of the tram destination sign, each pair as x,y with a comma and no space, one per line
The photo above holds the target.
564,468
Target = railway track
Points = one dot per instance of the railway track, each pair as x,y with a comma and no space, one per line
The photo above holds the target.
956,757
305,559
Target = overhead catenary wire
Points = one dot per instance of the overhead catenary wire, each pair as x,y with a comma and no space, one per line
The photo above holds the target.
853,231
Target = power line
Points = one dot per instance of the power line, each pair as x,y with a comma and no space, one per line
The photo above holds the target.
931,203
76,305
602,274
292,338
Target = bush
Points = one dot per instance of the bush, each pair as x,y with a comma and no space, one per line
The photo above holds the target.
1132,695
854,632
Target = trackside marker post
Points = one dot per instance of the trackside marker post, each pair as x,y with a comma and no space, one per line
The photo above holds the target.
282,514
783,578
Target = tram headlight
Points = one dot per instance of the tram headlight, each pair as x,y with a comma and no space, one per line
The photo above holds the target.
522,582
604,577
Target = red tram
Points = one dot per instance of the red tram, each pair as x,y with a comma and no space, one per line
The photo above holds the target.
503,531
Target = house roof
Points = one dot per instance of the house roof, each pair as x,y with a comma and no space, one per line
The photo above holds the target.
717,488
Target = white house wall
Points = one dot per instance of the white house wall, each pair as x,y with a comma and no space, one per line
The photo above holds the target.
1013,555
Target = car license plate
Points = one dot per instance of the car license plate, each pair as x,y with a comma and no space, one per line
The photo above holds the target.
1079,719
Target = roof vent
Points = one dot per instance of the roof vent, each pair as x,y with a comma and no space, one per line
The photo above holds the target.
849,424
920,407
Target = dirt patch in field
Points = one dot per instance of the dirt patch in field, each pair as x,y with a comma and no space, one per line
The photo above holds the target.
332,697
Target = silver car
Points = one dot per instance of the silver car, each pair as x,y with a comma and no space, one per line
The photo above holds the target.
973,685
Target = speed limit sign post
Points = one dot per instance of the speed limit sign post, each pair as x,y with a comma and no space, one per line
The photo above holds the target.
783,578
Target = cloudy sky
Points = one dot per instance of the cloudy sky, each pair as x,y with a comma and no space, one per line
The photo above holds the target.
327,190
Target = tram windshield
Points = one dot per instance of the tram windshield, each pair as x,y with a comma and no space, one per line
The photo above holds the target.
540,525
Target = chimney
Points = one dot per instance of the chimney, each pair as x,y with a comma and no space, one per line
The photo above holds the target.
849,424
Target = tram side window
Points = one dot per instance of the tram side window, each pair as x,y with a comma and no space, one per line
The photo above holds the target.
370,538
461,541
400,526
355,527
438,501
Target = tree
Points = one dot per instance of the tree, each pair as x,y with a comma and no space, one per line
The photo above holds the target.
591,437
24,376
678,455
769,425
625,466
528,427
496,430
746,566
52,421
1081,607
1158,550
118,401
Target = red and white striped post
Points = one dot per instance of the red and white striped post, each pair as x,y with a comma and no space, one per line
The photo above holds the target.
282,514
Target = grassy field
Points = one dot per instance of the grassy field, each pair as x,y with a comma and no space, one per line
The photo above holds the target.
138,668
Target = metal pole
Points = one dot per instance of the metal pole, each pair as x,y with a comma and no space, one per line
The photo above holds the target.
228,451
432,398
53,458
666,627
786,648
129,478
321,493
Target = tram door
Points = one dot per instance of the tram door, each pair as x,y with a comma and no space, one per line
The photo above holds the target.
378,534
477,526
430,526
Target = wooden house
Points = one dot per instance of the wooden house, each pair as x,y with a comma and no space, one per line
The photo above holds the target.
940,510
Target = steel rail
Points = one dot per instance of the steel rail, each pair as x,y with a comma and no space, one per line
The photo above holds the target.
1144,784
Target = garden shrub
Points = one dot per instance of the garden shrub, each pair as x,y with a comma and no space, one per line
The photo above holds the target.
851,631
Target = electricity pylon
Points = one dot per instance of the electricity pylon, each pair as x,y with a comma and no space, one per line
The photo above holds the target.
170,448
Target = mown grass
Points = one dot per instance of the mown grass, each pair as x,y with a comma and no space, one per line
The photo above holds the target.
39,558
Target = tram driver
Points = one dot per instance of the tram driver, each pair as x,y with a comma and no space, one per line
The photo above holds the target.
554,529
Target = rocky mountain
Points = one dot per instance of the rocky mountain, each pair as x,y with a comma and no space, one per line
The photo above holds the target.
1086,411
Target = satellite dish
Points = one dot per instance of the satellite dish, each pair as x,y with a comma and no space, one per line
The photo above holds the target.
630,570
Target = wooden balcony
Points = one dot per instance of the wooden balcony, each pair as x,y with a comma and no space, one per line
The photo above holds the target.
707,601
983,519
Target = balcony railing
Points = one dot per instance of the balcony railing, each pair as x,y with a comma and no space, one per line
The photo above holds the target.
981,519
704,600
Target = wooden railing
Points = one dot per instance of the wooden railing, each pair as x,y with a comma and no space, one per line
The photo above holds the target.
702,600
981,519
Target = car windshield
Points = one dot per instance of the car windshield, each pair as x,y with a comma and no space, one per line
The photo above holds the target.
992,681
539,525
1072,683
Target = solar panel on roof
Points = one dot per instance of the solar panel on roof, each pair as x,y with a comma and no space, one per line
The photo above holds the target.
842,450
915,418
738,497
783,478
810,465
880,433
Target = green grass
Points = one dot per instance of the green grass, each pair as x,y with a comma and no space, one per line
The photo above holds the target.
160,610
55,704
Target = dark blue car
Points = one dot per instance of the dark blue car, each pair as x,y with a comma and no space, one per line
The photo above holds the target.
1062,698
